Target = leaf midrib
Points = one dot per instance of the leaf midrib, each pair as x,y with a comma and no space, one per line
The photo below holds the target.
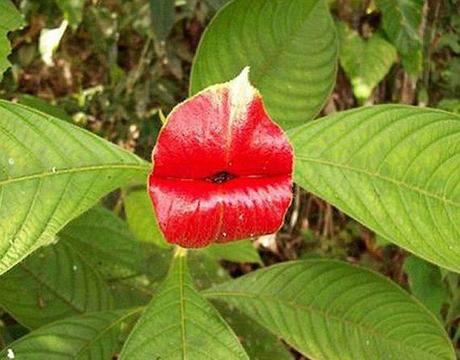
140,167
310,309
377,175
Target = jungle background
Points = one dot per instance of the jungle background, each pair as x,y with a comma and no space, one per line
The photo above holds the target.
114,67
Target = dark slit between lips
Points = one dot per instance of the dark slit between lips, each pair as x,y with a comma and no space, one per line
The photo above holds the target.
220,177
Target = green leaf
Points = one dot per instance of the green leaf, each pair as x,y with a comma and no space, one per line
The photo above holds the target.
237,251
179,323
51,172
105,240
401,22
141,218
259,343
163,15
10,19
52,284
393,168
425,282
365,61
72,10
291,47
332,310
90,336
44,106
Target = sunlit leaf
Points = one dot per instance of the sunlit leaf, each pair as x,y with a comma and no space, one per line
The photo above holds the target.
393,168
332,310
51,172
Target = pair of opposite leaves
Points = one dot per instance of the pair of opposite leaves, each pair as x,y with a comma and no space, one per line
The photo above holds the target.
222,168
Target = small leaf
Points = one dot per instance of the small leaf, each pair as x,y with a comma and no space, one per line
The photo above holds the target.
425,282
52,284
52,172
90,336
241,251
332,310
72,10
401,22
163,15
105,240
393,168
365,61
290,46
10,19
141,218
179,323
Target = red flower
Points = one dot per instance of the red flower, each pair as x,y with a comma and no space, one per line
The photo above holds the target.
222,168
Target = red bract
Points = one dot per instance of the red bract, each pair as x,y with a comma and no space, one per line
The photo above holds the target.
222,168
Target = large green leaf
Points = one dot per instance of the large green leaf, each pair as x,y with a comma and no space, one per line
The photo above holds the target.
394,169
91,336
332,310
179,323
365,61
401,22
52,284
105,240
51,172
10,19
291,47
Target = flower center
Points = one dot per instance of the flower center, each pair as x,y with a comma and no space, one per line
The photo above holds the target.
220,177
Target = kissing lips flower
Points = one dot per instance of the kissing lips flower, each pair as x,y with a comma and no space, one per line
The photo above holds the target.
222,168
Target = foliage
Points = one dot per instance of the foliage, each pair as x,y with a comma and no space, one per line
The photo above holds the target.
85,272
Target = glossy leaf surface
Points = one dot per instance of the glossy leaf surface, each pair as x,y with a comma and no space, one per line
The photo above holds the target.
393,168
291,47
335,311
222,169
51,172
180,324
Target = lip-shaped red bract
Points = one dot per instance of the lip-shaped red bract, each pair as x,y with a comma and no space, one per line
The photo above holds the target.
222,168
